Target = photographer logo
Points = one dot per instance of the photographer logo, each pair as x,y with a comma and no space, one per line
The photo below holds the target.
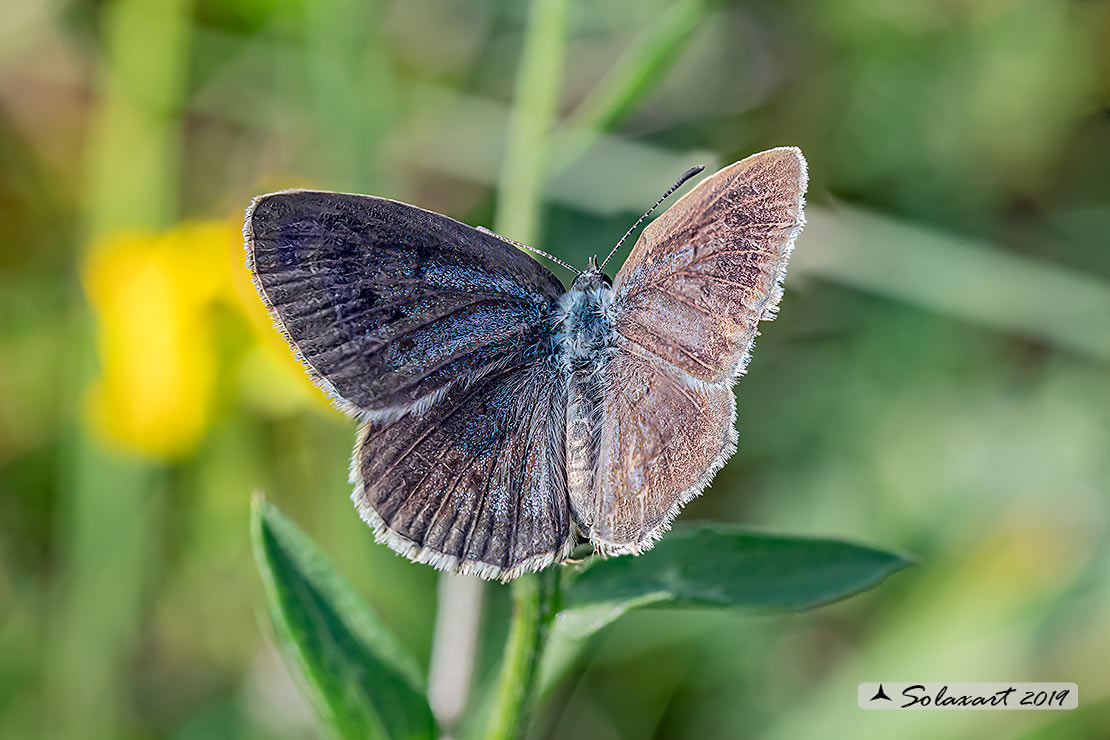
938,695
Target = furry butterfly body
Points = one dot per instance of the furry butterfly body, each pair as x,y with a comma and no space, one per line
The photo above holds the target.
501,414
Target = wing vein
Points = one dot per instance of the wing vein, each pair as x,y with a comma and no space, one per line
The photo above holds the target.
432,427
662,340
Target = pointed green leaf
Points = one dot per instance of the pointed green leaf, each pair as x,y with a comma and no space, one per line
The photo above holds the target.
710,565
357,674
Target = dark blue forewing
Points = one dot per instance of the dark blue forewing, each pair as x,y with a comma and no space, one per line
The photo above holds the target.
477,484
390,305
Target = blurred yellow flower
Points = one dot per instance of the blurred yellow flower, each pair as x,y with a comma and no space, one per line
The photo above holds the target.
155,299
151,295
269,377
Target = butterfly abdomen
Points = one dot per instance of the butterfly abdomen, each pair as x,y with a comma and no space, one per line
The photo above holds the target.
586,339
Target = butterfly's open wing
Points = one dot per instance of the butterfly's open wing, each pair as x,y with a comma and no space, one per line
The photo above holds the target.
686,307
388,305
477,484
706,272
661,441
439,337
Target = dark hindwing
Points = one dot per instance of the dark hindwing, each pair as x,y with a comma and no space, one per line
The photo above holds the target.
476,485
389,305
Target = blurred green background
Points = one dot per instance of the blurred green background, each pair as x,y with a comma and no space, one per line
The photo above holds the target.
936,383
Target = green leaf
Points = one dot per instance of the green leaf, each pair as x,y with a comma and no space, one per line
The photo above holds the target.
356,673
710,565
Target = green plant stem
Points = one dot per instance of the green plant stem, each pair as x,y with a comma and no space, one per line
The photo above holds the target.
110,505
519,195
534,108
535,601
454,646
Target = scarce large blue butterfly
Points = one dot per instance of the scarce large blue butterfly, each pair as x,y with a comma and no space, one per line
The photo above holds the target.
501,414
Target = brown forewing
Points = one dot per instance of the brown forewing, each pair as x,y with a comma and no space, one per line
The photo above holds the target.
703,274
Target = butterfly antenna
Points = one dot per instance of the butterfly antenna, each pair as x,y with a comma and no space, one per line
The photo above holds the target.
514,242
678,183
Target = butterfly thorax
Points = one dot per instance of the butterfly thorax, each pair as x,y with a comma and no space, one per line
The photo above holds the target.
585,333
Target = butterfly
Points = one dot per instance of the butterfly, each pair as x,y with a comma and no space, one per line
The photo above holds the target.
501,415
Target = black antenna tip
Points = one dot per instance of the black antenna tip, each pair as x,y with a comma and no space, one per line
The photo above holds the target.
688,174
678,183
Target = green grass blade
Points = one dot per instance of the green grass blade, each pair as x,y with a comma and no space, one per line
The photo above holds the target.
957,277
356,673
537,94
634,76
640,68
720,566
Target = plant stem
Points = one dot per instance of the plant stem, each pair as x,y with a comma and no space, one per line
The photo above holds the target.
454,647
535,601
108,510
534,107
519,195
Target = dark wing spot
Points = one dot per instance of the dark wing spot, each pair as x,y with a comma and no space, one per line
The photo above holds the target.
423,254
287,255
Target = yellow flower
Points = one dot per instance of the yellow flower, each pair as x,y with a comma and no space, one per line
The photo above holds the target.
269,377
152,295
157,299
